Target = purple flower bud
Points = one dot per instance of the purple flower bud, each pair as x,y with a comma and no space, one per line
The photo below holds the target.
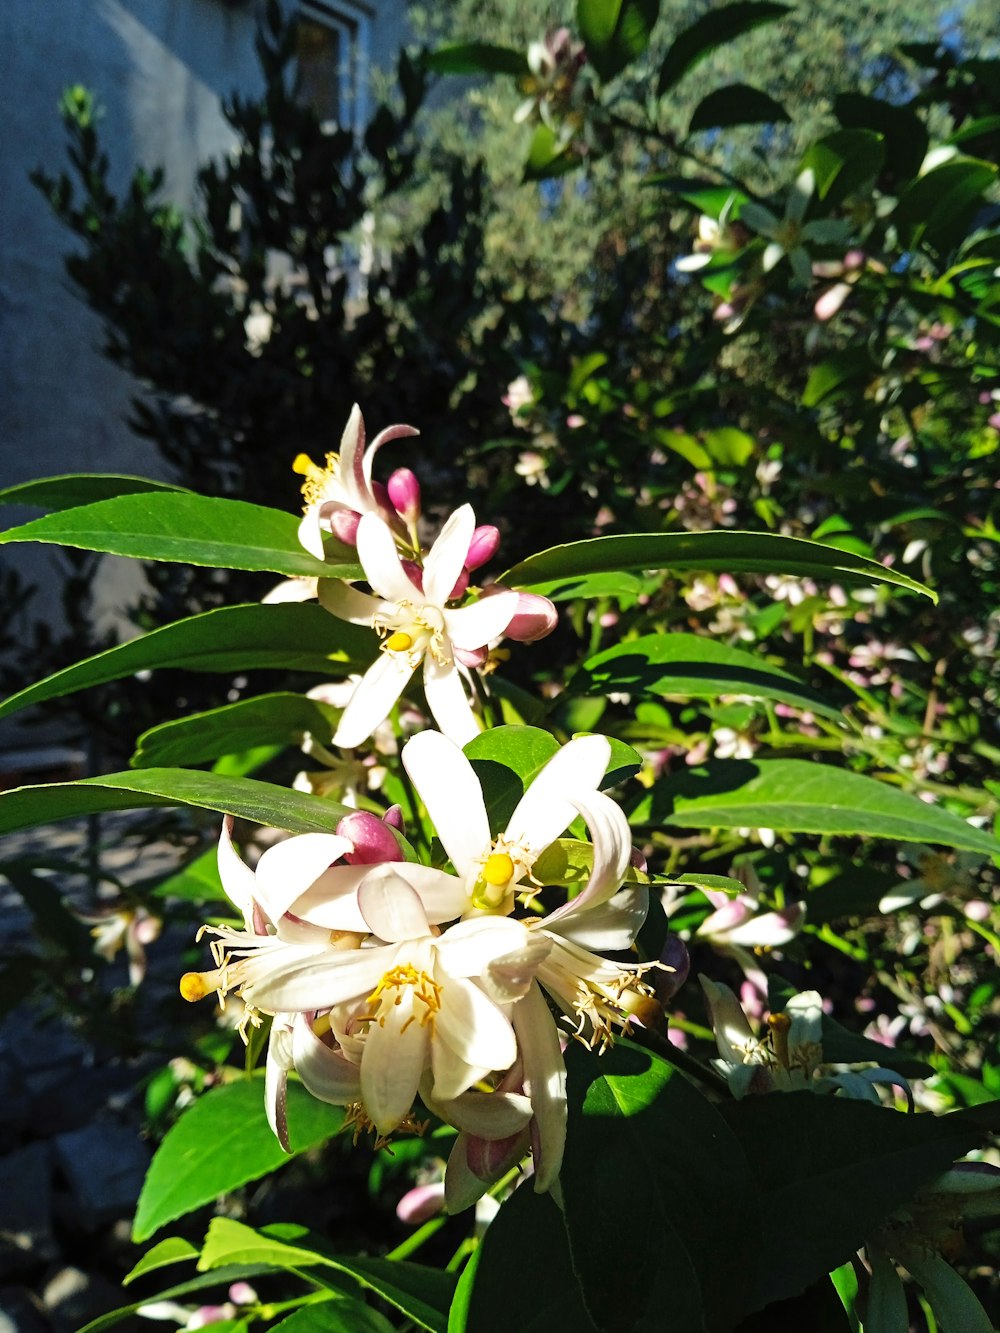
461,584
373,841
414,573
666,984
484,545
394,818
534,618
404,492
421,1203
344,524
470,657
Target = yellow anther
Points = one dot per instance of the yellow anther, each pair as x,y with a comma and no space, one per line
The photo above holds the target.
399,642
316,478
498,869
194,985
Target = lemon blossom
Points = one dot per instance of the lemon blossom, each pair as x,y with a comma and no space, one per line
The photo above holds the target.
416,626
337,494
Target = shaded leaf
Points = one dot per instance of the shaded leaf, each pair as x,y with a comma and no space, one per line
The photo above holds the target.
843,161
710,31
475,58
173,1250
79,488
270,719
615,32
290,637
736,104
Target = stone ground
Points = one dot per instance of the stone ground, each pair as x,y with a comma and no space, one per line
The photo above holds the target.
72,1152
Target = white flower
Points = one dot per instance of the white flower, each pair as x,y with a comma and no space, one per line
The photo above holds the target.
787,236
344,486
417,626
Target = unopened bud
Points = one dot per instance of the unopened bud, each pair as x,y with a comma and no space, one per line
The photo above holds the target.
461,583
373,842
535,617
668,979
414,573
344,525
470,657
404,492
421,1203
484,545
394,818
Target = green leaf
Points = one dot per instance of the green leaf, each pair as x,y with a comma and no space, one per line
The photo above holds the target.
710,31
728,446
269,719
547,155
421,1293
197,882
192,529
261,802
560,570
615,32
288,637
902,130
828,1171
690,666
935,209
543,1294
844,161
475,58
173,1250
222,1277
221,1142
736,104
838,376
643,1138
79,488
841,1046
339,1315
800,796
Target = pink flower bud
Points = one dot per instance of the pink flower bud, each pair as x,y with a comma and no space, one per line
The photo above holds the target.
484,546
344,525
404,492
394,818
241,1293
470,657
421,1203
534,618
831,301
461,583
414,573
374,843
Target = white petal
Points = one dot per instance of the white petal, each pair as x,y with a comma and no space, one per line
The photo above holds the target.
326,1075
383,437
768,931
447,701
544,1082
286,870
475,625
462,1187
448,786
468,948
487,1115
471,1037
237,877
276,1066
446,558
297,979
373,699
612,849
545,811
347,603
310,532
350,472
733,1035
394,1058
380,561
444,896
392,909
611,927
291,590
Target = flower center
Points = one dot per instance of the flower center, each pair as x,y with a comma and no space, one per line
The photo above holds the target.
498,869
399,642
412,631
392,989
317,479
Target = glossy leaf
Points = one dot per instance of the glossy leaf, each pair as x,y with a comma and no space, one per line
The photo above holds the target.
221,1142
421,1293
642,1137
689,666
475,58
261,802
221,1278
197,882
286,637
548,155
561,570
828,1170
837,375
191,529
173,1250
844,161
79,488
270,719
544,1295
710,31
798,796
338,1315
903,132
936,208
736,104
615,32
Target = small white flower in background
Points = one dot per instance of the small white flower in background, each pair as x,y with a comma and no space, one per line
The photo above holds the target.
938,879
553,92
519,394
720,235
737,927
417,627
789,235
788,1055
128,928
